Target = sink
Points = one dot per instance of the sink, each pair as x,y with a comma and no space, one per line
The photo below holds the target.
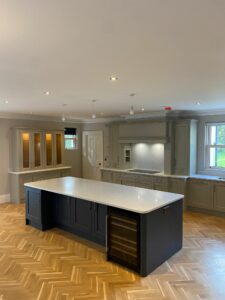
144,171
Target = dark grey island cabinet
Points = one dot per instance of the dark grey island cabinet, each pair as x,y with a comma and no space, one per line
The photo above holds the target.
139,240
45,210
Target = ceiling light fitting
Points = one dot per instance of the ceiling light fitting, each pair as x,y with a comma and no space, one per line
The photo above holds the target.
113,78
131,111
93,104
47,93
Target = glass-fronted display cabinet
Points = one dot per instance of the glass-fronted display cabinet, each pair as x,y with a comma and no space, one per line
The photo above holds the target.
36,149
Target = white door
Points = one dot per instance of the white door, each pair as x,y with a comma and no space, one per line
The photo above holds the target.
92,154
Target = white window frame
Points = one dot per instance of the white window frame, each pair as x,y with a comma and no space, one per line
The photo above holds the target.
208,146
75,139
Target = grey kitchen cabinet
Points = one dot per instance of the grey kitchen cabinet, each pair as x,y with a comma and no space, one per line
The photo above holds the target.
178,186
17,180
185,147
106,175
129,179
160,183
117,177
144,181
219,197
32,149
200,194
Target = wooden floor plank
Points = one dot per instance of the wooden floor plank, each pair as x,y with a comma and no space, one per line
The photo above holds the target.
57,265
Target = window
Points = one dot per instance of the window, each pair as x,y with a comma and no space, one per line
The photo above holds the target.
71,138
215,145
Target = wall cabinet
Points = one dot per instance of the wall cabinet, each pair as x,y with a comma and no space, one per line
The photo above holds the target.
36,149
35,155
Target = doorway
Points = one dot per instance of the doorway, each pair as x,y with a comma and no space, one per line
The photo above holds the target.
92,154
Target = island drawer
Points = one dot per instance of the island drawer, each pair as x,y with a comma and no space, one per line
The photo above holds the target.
123,238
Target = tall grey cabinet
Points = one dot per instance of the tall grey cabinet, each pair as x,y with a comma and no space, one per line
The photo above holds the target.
35,155
185,147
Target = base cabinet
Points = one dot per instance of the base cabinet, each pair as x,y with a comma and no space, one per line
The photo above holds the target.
140,242
45,210
200,194
219,197
206,194
18,179
39,211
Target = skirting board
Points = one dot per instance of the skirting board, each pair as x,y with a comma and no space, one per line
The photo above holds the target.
5,198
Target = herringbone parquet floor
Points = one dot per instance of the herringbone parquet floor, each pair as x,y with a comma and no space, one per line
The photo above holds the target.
55,265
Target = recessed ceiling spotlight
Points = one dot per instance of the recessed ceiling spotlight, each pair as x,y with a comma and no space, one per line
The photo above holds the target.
47,93
64,105
6,101
198,103
142,108
93,116
63,118
132,94
131,111
113,78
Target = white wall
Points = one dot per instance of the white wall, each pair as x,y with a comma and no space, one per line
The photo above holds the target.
72,157
148,156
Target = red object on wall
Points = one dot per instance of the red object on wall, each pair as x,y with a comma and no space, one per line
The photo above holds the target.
167,108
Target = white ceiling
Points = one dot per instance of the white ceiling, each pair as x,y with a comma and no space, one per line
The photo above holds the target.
167,52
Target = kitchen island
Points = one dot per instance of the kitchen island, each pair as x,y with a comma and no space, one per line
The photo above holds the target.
140,228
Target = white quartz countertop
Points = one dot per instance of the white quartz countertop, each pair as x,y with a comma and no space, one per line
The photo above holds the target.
134,199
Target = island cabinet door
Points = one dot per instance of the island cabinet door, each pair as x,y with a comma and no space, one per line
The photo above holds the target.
99,222
62,210
39,209
33,207
83,217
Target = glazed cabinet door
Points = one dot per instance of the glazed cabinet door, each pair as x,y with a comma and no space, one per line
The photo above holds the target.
58,148
48,149
36,149
25,150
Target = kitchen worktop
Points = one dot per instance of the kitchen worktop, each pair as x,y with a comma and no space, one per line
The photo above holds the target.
39,170
134,199
160,174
